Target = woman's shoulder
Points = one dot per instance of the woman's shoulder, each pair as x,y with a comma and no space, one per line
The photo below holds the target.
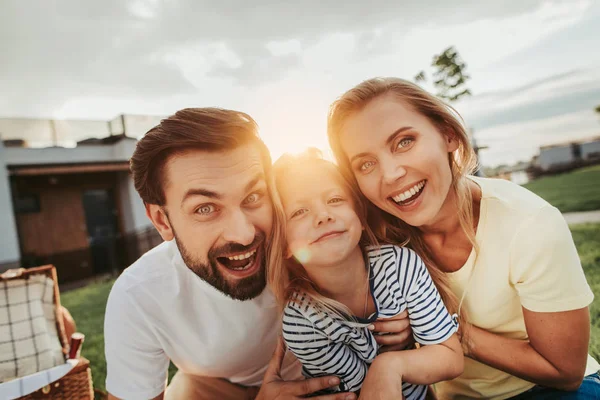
505,197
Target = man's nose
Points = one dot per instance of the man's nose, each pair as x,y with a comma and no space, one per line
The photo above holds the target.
239,229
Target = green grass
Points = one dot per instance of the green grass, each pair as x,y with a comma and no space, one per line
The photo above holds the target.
587,240
577,190
87,304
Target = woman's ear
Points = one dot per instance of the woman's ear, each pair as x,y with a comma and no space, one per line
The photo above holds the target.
451,141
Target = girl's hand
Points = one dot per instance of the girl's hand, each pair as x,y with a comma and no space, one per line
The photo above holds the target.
393,333
383,380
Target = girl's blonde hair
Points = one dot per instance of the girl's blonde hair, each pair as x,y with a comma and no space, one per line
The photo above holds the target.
462,163
285,275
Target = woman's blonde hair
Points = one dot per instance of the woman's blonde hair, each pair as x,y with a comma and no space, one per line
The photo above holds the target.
286,275
462,163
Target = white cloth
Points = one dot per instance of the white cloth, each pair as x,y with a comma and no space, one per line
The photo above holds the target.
30,383
28,336
159,309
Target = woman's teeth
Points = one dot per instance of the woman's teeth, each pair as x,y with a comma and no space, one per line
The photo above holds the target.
413,191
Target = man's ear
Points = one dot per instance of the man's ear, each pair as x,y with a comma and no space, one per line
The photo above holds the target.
160,220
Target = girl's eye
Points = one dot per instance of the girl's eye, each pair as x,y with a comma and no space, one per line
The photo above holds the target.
335,200
299,212
206,209
366,165
405,142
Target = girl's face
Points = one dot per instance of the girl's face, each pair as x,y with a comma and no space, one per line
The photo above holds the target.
400,160
322,227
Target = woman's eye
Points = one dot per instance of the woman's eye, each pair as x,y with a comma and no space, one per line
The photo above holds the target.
335,200
405,142
206,209
366,165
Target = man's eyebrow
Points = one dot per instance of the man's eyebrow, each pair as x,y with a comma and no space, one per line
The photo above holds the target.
200,192
214,195
257,178
389,140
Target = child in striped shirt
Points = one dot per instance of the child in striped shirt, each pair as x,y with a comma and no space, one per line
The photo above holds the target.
334,280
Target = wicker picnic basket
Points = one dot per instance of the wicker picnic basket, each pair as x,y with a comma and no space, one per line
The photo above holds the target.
77,384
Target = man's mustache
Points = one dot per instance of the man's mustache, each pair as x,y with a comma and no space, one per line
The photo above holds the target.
230,248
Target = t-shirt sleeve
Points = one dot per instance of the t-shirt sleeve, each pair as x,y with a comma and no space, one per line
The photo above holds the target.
136,364
544,265
429,319
319,354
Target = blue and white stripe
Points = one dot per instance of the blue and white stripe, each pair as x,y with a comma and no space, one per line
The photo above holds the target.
326,344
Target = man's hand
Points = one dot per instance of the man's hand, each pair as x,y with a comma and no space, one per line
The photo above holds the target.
275,388
394,333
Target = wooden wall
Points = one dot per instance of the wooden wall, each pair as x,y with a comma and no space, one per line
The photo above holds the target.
58,234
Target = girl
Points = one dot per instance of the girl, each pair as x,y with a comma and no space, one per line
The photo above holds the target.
506,252
334,286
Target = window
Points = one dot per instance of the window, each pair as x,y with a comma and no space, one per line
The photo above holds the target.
27,203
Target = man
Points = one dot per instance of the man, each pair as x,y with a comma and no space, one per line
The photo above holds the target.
198,299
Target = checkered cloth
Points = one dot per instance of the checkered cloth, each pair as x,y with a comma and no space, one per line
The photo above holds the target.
29,340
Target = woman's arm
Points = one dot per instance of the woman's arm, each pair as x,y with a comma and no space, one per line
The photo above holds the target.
555,355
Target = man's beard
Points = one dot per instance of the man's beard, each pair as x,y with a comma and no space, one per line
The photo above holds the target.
242,289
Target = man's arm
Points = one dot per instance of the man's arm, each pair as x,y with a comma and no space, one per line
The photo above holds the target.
136,364
275,388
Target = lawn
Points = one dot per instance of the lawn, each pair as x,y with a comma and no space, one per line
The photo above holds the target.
87,304
577,190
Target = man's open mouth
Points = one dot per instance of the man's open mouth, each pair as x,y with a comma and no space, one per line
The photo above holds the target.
239,262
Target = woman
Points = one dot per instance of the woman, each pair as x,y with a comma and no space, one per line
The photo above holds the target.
507,255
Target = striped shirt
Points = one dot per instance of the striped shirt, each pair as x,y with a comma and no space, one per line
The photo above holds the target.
327,344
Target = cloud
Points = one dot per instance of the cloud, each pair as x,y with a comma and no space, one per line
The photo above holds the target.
55,51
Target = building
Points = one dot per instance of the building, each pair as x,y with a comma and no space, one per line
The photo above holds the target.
569,155
75,207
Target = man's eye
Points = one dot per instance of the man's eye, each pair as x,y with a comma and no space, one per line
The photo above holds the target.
206,209
253,198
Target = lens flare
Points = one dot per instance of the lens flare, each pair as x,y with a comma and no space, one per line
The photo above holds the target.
302,255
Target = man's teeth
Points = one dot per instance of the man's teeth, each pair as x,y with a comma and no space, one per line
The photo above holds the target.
409,193
243,256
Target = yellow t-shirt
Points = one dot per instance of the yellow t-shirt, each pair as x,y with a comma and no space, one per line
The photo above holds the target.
526,259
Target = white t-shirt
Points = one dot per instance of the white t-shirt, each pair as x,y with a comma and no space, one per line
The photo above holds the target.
159,310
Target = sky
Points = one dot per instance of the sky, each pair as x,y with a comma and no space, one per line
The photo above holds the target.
535,65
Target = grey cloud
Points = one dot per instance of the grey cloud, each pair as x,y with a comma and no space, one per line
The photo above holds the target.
55,50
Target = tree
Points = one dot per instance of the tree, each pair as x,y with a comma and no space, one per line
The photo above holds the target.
420,77
597,109
450,77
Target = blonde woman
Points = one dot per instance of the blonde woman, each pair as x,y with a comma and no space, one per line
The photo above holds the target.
506,254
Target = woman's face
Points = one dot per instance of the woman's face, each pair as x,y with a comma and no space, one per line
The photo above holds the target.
400,160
